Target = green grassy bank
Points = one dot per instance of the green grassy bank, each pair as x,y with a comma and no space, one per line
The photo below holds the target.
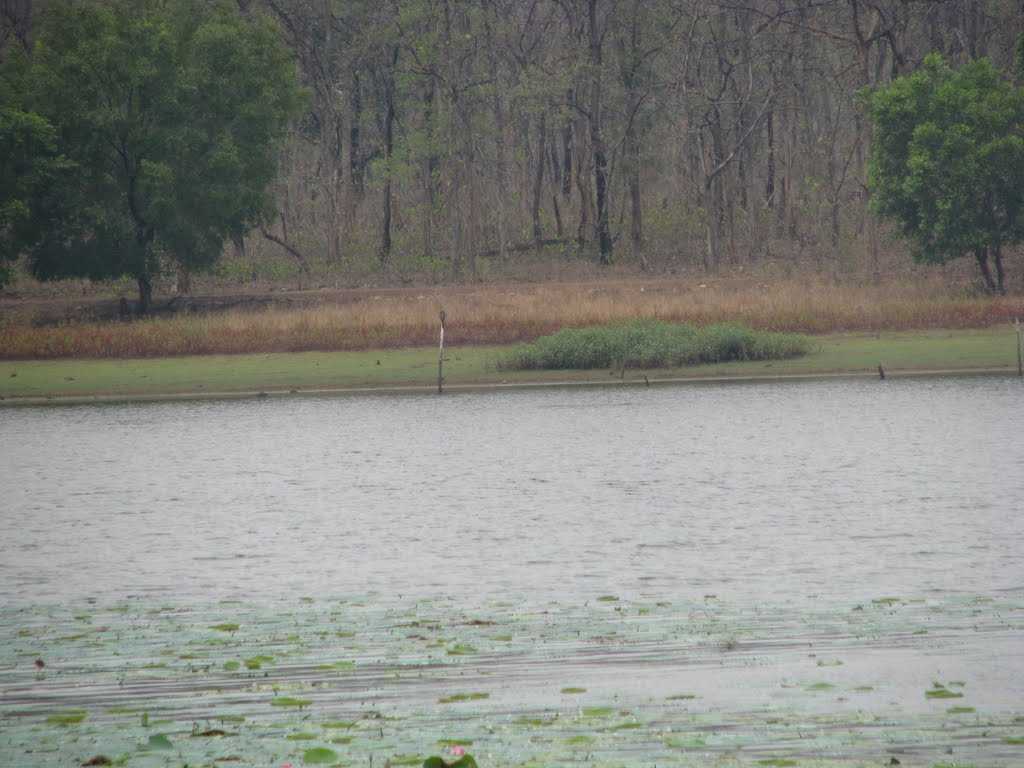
993,348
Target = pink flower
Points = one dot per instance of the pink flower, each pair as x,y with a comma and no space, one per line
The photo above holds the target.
458,751
286,765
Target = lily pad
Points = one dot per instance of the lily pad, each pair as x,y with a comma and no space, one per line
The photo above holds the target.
455,698
228,626
319,756
580,739
574,690
158,741
288,701
69,717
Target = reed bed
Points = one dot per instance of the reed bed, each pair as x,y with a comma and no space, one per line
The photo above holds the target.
652,344
502,315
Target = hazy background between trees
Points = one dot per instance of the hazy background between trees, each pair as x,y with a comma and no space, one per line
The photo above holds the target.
453,139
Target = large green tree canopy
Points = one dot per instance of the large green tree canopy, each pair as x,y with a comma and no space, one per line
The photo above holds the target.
159,121
947,162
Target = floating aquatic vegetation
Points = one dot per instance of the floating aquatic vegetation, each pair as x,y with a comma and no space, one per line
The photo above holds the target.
389,708
535,722
338,666
464,761
406,760
940,692
68,717
822,686
456,698
625,726
158,741
319,756
226,627
580,740
288,701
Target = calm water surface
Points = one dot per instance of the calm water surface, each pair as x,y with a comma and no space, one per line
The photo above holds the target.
791,491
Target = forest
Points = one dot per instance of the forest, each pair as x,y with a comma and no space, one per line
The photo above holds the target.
448,139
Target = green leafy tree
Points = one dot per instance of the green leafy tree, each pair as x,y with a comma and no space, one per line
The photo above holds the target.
169,114
947,162
29,165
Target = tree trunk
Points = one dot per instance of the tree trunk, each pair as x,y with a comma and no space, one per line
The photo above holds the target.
355,162
389,143
183,280
981,254
429,170
769,183
567,152
145,293
538,179
499,140
636,229
583,187
558,216
997,256
601,231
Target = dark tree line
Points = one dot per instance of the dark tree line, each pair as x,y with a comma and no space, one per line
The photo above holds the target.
660,132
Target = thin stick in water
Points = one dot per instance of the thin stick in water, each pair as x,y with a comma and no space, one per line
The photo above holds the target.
1020,350
440,359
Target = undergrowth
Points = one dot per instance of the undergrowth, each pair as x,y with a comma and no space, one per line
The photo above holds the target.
653,344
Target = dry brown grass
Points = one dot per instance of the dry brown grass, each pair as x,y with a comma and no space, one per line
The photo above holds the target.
504,314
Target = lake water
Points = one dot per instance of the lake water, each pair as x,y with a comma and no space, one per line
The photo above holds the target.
766,492
686,575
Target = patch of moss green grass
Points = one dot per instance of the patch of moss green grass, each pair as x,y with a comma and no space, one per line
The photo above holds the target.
652,344
304,371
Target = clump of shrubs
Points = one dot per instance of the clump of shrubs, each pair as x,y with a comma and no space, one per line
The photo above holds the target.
653,344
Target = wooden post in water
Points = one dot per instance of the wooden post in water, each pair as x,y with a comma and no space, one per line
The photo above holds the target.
1020,349
440,359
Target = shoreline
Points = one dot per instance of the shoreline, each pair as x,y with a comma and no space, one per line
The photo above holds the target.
414,370
424,389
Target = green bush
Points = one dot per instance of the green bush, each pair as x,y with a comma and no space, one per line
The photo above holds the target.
652,344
